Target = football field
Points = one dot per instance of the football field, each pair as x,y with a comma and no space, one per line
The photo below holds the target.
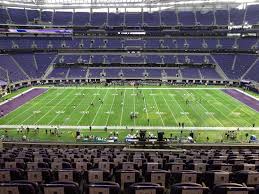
126,107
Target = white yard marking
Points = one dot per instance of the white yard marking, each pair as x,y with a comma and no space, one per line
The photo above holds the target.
84,112
87,110
182,109
158,109
226,107
146,109
134,106
110,111
97,113
212,96
169,107
37,103
27,109
54,107
65,107
122,107
79,104
210,115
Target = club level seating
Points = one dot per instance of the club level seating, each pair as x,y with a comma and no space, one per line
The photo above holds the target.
33,66
111,43
149,73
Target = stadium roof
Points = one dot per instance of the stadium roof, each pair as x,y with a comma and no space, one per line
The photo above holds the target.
74,4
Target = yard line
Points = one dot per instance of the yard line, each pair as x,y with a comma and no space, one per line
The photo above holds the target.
236,107
53,108
111,108
168,107
157,108
122,107
80,102
64,108
219,110
134,106
145,103
27,109
99,109
180,107
211,115
41,106
195,113
87,109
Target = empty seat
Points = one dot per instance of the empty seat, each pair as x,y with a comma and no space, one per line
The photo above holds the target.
250,178
60,165
184,176
16,188
68,175
174,167
215,177
39,175
37,165
97,175
199,167
151,166
127,177
127,166
146,188
189,188
243,166
103,187
161,177
61,187
7,175
228,188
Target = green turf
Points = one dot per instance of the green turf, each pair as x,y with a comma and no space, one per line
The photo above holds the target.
163,107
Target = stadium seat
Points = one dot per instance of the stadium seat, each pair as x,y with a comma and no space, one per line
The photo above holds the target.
17,188
127,177
189,188
161,177
185,176
103,187
250,178
215,177
68,175
146,188
232,188
174,167
39,175
97,175
60,187
7,175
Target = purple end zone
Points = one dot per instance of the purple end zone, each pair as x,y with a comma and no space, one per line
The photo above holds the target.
20,100
251,102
